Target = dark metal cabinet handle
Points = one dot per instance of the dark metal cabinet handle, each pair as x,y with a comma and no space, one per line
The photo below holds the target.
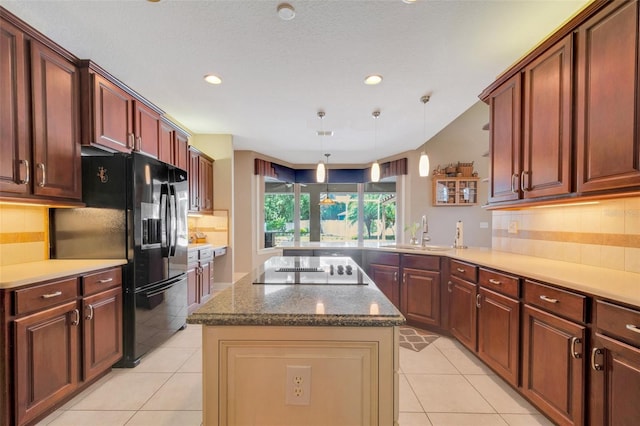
522,175
51,295
514,179
633,328
594,365
90,314
76,320
548,299
27,170
478,299
43,180
574,342
496,282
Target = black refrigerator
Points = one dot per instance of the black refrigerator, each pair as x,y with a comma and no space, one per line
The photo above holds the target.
136,210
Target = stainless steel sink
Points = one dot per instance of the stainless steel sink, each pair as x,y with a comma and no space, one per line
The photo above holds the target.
418,248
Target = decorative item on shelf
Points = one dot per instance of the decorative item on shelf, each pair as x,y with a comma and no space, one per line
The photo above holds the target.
412,228
423,163
375,167
465,169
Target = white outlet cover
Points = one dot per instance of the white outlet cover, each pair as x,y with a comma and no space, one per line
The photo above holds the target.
298,385
484,225
513,227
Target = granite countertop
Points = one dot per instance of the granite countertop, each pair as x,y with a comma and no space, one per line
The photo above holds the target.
28,273
298,305
612,284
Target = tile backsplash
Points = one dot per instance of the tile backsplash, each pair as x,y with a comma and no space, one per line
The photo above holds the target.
605,234
23,234
215,228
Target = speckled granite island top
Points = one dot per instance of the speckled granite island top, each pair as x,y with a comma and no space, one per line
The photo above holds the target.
322,299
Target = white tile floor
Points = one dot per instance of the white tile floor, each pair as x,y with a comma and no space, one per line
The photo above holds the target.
444,384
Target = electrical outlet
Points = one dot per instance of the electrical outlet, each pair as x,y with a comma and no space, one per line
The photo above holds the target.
513,227
298,385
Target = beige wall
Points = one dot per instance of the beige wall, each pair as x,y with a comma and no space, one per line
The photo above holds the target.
463,140
606,234
24,234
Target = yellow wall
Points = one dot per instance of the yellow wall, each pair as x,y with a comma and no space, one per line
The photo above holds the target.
24,234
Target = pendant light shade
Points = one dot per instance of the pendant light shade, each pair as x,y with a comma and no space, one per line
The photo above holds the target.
423,164
326,201
320,169
375,167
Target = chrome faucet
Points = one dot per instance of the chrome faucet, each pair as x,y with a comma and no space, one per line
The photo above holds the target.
425,231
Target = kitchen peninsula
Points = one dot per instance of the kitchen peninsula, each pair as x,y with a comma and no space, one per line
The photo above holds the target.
300,340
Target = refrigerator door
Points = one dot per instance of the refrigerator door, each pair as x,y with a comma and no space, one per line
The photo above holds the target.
179,232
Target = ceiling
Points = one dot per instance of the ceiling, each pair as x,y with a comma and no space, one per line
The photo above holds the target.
278,74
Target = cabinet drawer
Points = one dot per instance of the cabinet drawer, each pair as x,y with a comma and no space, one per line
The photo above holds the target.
564,303
206,254
500,282
421,262
100,281
616,321
192,257
46,295
466,271
382,258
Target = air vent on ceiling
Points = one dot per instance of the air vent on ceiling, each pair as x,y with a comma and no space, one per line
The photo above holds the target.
324,133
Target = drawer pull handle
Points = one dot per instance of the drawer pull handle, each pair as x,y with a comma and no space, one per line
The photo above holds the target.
395,276
76,321
514,180
548,299
574,342
52,295
106,280
594,365
461,270
43,178
478,299
89,316
633,328
496,282
449,284
27,172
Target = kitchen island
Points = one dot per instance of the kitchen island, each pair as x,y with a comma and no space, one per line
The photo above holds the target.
300,340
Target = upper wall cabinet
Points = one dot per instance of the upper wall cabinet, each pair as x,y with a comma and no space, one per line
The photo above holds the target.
200,182
113,117
173,145
39,119
608,94
565,119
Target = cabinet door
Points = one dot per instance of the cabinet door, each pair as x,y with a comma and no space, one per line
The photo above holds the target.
462,311
499,334
206,280
608,97
420,298
46,359
102,331
193,290
181,151
147,129
205,184
387,280
194,179
56,124
15,140
113,116
615,383
166,144
504,145
553,365
547,123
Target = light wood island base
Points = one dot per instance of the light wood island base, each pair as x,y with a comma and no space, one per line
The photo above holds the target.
353,380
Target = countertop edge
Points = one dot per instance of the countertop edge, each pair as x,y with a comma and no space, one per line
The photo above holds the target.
294,320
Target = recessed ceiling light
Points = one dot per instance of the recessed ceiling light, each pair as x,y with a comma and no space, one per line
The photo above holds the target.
212,79
286,12
372,80
409,1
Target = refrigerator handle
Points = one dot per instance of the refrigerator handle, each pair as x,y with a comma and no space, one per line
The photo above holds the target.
173,228
164,221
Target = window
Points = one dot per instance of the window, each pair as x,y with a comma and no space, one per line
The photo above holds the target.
279,204
379,218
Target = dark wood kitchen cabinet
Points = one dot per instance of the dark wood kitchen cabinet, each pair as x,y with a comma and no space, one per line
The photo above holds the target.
173,146
553,349
64,334
200,182
615,366
463,300
146,124
384,269
608,104
199,276
39,119
420,290
499,323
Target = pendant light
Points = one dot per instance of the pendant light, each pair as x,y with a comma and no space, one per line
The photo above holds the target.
423,164
321,170
327,201
375,167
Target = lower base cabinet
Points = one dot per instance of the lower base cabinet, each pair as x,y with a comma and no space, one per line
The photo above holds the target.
553,367
387,279
421,296
199,277
462,311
